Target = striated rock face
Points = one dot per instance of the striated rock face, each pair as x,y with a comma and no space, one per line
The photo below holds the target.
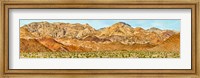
59,30
124,33
119,29
32,45
66,37
164,34
24,33
172,44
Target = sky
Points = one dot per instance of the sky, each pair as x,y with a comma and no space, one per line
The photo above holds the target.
170,24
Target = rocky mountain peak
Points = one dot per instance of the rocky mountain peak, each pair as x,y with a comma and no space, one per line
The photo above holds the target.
58,29
138,29
118,29
118,32
154,28
121,24
88,26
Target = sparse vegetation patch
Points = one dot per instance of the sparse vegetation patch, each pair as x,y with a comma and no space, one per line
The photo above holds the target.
105,54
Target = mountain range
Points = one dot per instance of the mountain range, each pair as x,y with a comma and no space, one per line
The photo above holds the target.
66,37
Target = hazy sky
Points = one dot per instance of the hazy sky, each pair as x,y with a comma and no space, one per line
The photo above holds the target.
97,24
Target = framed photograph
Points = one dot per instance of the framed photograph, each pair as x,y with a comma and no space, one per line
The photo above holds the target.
123,38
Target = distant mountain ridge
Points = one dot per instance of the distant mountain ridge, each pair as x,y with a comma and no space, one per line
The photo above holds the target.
60,34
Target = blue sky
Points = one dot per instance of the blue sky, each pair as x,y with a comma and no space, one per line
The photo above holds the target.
171,24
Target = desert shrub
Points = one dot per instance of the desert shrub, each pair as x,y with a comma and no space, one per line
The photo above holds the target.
100,54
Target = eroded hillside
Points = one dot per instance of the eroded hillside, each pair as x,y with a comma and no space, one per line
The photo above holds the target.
66,37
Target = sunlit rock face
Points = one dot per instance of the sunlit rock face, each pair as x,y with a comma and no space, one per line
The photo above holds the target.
66,37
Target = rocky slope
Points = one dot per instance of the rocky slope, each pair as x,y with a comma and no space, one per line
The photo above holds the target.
59,30
66,37
172,44
32,45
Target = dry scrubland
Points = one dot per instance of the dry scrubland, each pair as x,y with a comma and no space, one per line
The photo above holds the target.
105,54
65,40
